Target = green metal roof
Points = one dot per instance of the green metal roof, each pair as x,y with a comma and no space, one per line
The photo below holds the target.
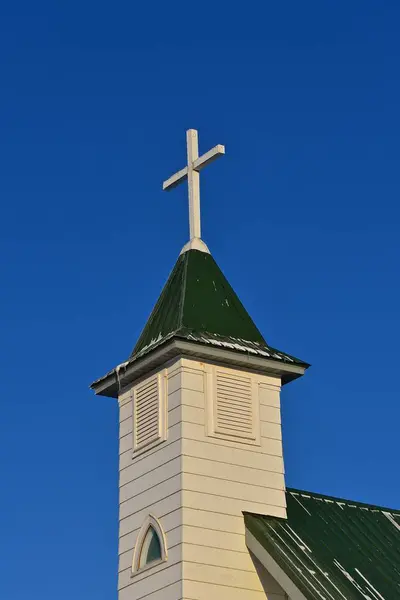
198,304
334,549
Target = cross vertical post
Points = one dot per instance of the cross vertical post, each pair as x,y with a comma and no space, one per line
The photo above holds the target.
192,173
193,177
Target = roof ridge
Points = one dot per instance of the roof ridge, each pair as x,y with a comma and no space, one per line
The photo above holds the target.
183,290
319,496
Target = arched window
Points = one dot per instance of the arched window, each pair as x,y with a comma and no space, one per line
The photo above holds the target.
150,548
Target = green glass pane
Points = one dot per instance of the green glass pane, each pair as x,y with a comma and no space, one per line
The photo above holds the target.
154,551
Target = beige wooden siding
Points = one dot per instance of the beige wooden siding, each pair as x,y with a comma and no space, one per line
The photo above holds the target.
229,454
150,483
132,470
211,503
223,477
235,490
231,473
230,559
198,486
151,479
155,584
220,576
199,590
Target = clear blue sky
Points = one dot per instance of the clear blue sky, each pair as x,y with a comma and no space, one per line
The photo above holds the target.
302,215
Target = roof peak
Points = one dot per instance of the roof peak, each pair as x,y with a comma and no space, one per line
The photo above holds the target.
198,304
195,244
197,300
358,504
199,313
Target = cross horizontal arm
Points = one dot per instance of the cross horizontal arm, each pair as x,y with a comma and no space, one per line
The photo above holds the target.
175,180
208,157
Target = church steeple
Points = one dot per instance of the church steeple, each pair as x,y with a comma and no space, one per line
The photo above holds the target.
198,306
200,438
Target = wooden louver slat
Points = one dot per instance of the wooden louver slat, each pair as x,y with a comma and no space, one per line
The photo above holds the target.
234,414
146,413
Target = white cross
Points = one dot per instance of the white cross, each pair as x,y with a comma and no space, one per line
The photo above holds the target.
192,174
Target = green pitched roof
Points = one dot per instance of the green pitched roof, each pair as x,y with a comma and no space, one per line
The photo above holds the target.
332,548
198,304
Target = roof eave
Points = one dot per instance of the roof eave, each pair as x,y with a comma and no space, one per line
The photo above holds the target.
272,567
123,375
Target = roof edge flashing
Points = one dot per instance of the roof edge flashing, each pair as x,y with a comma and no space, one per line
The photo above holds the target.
115,381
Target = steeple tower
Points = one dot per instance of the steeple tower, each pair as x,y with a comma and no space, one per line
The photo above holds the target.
200,433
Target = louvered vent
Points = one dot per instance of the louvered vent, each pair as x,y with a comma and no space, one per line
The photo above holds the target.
147,426
234,406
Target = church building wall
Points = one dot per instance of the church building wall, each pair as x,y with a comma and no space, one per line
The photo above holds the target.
197,483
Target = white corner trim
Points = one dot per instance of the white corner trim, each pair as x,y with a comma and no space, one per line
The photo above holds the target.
273,568
195,244
150,521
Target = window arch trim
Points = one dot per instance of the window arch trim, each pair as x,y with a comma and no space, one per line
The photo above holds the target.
150,522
